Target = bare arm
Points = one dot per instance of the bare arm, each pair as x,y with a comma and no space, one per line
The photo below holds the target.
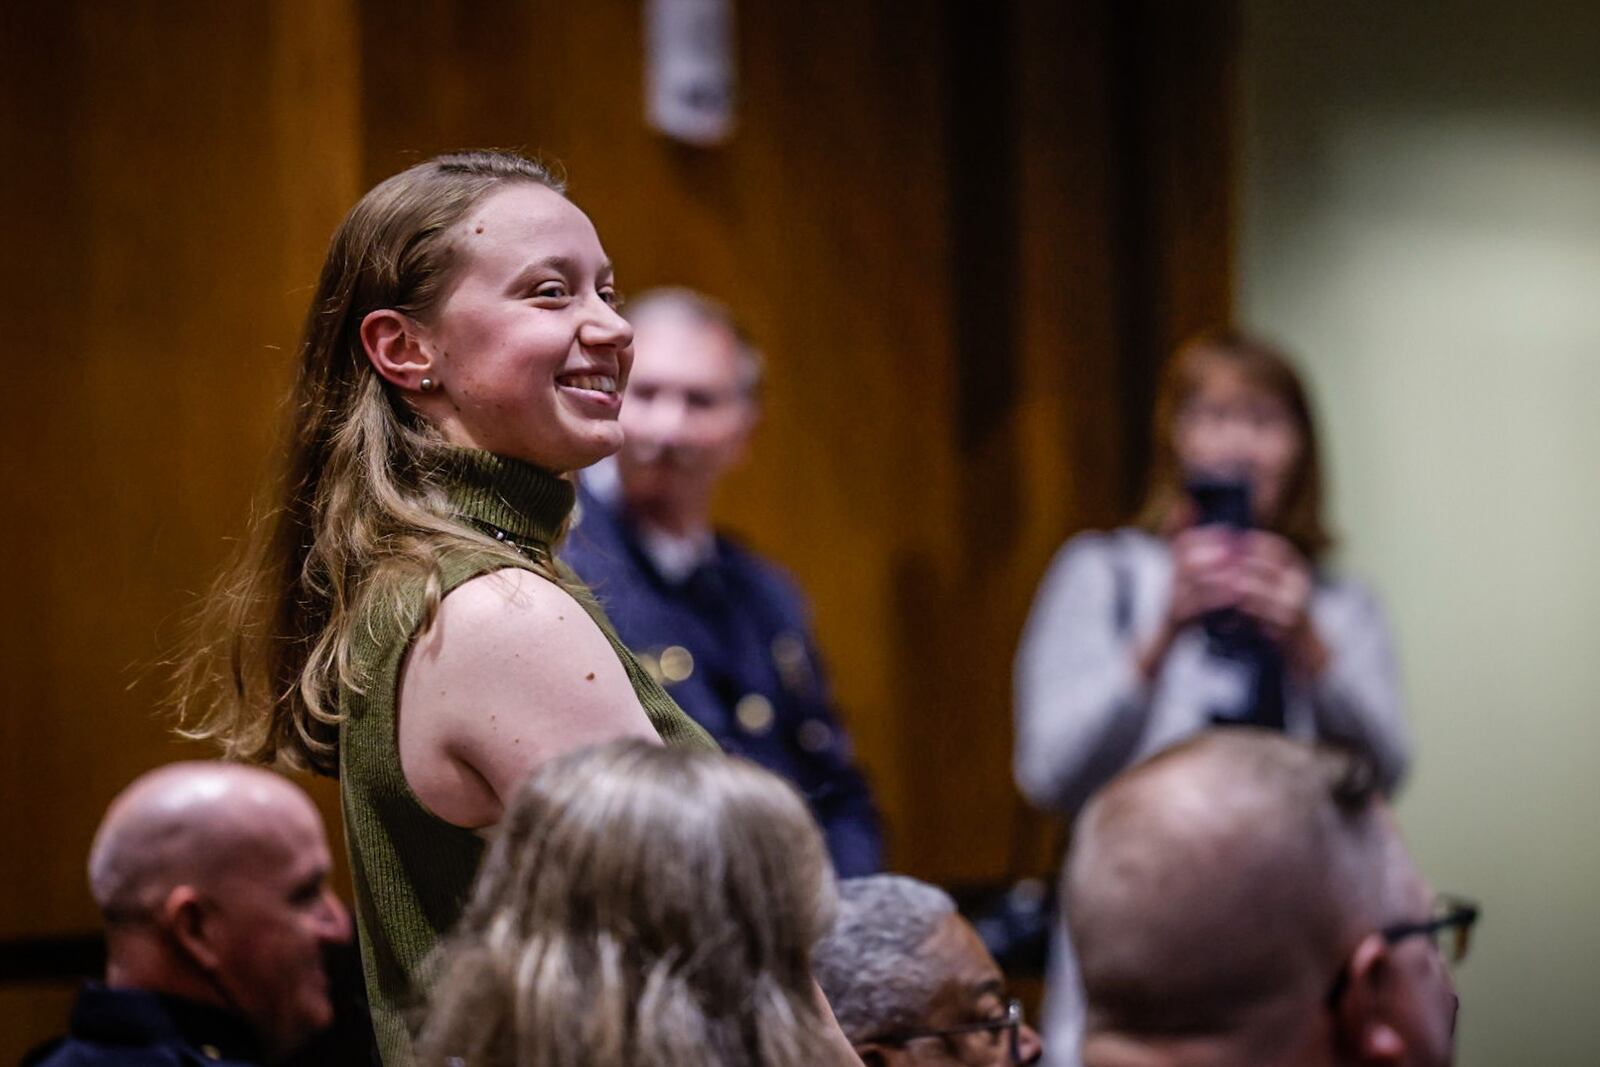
511,673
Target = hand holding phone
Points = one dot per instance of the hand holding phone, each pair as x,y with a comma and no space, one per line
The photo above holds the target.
1274,584
1204,574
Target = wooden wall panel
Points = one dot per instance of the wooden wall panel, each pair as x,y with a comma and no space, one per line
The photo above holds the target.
926,222
176,170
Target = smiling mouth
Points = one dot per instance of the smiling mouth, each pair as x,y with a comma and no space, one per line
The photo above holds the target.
594,383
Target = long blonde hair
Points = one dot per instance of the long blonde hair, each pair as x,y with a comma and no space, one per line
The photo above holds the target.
360,507
641,906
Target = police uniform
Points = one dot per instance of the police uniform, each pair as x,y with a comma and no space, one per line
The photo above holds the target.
135,1028
730,641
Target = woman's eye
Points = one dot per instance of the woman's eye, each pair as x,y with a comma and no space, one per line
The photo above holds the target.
550,291
613,299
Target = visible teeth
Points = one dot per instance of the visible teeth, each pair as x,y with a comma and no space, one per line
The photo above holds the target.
599,383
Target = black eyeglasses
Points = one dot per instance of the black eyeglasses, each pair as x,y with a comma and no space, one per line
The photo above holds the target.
1452,915
1010,1022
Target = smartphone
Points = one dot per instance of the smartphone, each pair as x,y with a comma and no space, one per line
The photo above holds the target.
1224,502
1221,502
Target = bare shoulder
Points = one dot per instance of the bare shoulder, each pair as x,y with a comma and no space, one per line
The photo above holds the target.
511,672
508,598
523,632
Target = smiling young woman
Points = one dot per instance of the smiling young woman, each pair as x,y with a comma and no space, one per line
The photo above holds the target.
399,620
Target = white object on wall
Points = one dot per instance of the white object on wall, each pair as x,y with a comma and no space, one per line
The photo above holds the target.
689,78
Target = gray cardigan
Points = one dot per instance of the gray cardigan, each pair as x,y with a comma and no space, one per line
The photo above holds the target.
1084,713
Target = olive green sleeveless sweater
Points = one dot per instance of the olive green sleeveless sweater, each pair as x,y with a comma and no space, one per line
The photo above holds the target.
412,870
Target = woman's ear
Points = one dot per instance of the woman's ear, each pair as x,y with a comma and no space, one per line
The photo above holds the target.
1365,1026
395,348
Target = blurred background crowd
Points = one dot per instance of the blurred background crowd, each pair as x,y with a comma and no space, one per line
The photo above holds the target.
963,242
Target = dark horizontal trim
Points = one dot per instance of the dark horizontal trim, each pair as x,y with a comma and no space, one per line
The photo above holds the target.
63,958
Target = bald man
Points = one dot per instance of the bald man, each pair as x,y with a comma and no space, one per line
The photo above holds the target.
213,882
1246,900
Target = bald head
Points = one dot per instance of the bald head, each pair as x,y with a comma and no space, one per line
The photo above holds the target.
213,879
185,823
1223,880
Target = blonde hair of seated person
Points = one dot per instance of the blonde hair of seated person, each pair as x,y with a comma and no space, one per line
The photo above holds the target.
640,907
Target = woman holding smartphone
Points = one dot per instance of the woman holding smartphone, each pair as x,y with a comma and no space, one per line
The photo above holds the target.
1211,608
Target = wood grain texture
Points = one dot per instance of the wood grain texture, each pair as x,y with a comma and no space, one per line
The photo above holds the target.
929,258
177,169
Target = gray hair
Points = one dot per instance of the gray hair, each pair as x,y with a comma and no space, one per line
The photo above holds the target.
871,965
704,311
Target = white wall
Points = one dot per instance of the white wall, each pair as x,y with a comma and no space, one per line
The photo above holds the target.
1420,206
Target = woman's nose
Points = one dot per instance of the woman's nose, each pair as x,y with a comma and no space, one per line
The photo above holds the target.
604,327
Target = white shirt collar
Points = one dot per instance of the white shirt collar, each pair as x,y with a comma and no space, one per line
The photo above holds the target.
675,556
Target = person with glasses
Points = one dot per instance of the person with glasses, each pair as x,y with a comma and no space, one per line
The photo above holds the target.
1244,899
911,983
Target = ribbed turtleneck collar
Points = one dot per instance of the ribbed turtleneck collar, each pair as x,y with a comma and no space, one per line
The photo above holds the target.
528,503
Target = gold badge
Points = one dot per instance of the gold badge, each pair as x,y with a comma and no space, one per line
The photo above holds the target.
814,735
789,653
676,663
754,713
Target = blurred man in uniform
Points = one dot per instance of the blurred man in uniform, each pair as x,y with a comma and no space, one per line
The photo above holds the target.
213,882
724,630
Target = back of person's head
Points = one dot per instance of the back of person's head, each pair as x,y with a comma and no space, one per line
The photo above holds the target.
640,906
1267,370
212,879
1225,898
910,981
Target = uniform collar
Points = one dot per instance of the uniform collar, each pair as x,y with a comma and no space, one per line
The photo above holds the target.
140,1017
674,557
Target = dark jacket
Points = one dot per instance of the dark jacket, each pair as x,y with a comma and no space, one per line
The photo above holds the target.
751,676
133,1028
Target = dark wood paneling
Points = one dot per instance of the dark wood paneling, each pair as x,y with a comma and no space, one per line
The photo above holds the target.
924,218
175,171
1171,96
